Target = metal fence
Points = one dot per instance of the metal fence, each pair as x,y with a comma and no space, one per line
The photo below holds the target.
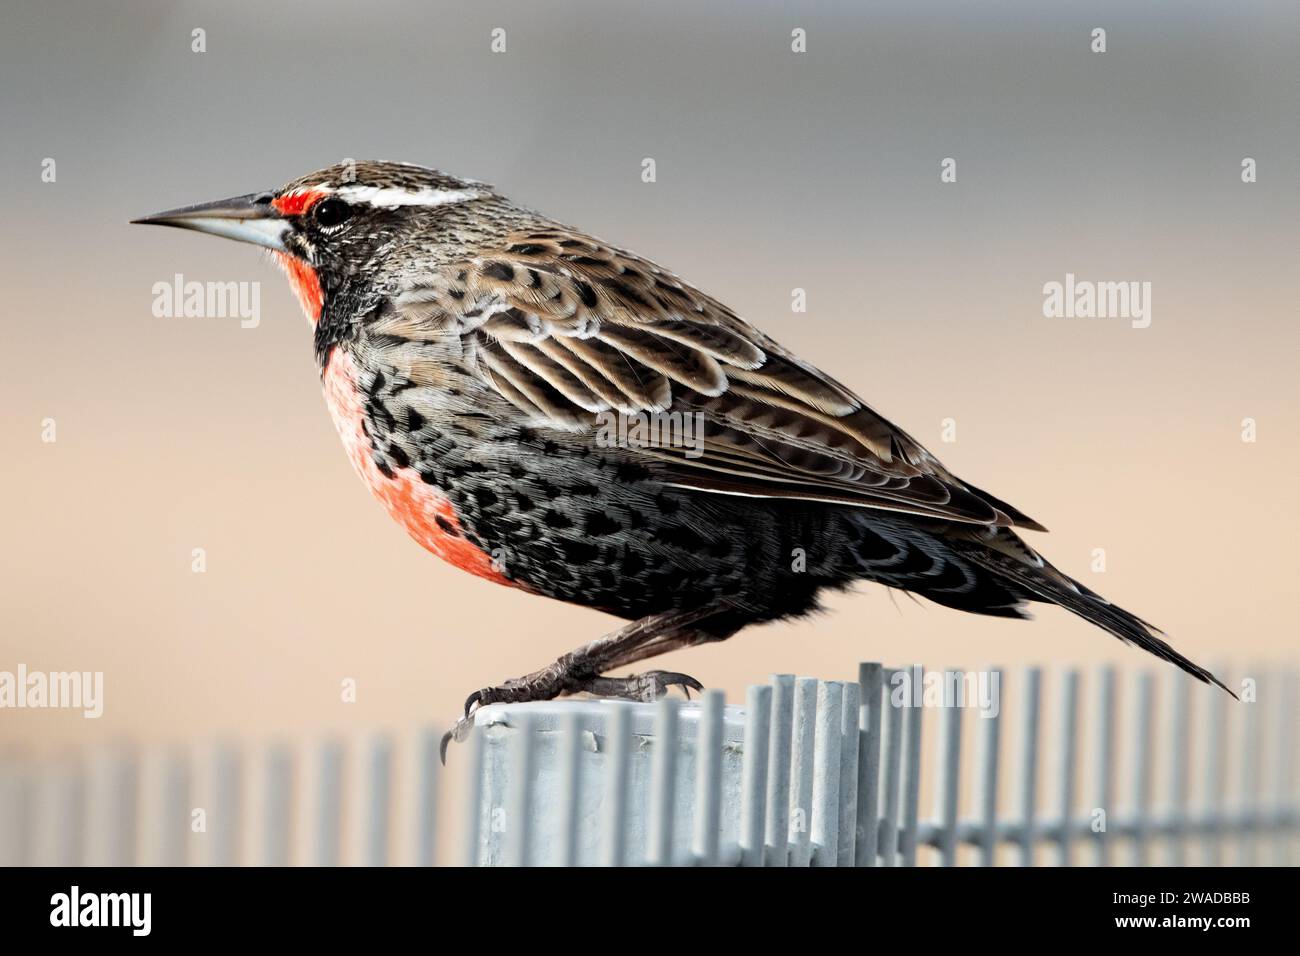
806,773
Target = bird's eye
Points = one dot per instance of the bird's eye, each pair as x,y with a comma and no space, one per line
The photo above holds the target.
331,212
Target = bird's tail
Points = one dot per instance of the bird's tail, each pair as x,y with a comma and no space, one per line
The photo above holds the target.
1038,580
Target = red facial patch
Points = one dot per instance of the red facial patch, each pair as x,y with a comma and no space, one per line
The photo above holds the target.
305,284
424,511
297,203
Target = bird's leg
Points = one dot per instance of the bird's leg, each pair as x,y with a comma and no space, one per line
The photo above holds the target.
580,671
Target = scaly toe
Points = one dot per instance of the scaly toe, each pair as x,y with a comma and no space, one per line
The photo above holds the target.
646,687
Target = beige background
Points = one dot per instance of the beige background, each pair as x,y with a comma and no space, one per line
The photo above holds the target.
775,171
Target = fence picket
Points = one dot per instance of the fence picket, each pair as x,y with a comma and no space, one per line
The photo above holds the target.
1214,771
470,849
278,782
912,767
1284,781
989,767
753,779
225,817
870,682
826,774
1069,753
850,717
1029,739
949,764
329,805
571,795
777,842
379,800
428,771
891,783
663,784
613,832
1107,699
14,825
708,767
1180,762
803,739
518,818
172,847
1249,780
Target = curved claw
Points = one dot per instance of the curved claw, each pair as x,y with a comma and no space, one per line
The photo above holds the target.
684,681
459,732
472,700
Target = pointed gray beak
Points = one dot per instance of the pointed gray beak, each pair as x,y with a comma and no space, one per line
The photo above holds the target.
249,218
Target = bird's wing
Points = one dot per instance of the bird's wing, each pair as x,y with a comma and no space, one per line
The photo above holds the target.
569,329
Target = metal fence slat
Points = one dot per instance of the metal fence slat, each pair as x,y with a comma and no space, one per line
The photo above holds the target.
1284,780
1029,744
948,792
827,750
613,828
850,739
870,685
1107,699
379,800
1250,779
1069,754
803,738
570,788
1179,766
989,768
890,779
708,781
518,816
777,832
753,774
474,790
276,797
428,771
225,816
912,768
663,783
1214,770
329,805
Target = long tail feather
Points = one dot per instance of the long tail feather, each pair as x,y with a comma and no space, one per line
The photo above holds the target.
1052,586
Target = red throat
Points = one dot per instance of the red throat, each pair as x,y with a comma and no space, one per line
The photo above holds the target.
306,284
303,278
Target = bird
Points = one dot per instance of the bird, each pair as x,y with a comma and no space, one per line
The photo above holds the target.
501,382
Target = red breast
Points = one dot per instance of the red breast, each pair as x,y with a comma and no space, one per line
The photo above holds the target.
427,515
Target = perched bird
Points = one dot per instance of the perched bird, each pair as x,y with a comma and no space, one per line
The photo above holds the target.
492,374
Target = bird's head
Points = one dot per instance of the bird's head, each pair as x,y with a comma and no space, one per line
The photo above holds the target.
363,221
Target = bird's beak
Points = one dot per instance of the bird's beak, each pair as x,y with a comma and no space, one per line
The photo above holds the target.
250,218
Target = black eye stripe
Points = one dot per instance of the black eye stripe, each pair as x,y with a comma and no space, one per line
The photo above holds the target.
331,212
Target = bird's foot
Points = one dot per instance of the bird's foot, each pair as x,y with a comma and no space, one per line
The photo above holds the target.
546,684
554,682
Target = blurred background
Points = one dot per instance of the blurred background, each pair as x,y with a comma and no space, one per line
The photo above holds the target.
775,170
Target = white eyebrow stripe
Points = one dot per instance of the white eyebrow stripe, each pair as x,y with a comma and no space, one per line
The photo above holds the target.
384,196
